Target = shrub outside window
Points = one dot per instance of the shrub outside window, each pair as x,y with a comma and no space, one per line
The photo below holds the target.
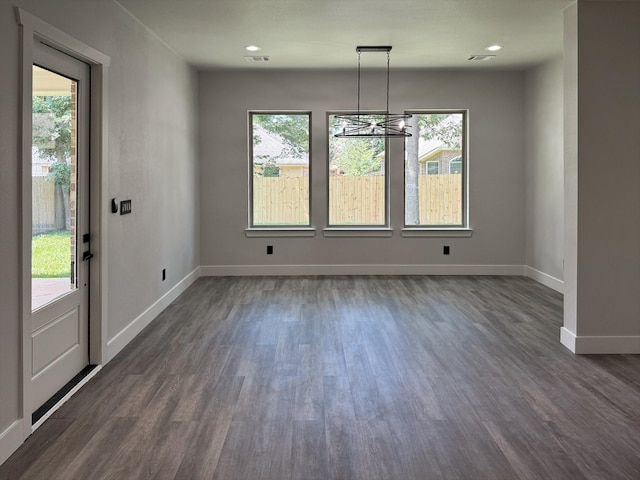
279,169
435,197
358,184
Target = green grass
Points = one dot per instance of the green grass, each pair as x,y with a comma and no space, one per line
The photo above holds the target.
50,255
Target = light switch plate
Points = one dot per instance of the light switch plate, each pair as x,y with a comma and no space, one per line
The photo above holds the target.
125,207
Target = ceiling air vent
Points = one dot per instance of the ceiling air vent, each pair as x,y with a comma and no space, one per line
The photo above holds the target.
480,58
256,58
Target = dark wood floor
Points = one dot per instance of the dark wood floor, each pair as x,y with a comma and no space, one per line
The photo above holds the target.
349,378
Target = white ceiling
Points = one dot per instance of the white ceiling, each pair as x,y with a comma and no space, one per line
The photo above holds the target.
324,33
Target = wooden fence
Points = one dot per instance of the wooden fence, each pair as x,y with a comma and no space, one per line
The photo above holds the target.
356,200
43,205
280,200
441,199
353,201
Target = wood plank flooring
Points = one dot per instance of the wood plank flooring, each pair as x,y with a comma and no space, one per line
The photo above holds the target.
275,378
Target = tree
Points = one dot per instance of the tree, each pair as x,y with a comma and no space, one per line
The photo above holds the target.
412,169
292,129
357,157
52,127
270,169
60,175
52,137
446,127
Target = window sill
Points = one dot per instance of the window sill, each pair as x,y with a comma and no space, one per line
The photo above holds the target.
437,232
358,232
281,232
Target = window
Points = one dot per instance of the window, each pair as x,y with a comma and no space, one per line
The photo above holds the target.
279,169
455,165
433,167
358,183
434,196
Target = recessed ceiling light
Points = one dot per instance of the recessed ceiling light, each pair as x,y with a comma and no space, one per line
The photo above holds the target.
494,48
252,48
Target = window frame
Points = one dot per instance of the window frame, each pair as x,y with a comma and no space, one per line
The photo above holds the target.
267,230
430,229
456,161
432,162
358,229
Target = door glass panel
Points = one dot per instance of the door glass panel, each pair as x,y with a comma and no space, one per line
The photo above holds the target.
53,186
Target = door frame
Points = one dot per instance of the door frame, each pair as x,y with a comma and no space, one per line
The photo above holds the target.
35,30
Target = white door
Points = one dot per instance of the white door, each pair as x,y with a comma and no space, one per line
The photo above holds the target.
60,222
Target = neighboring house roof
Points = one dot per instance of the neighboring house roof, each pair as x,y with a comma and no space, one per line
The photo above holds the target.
272,145
428,148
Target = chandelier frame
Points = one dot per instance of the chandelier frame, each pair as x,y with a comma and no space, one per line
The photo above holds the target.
376,125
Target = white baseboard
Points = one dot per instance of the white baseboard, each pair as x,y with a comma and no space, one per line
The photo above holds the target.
128,333
10,439
545,279
259,270
568,339
599,345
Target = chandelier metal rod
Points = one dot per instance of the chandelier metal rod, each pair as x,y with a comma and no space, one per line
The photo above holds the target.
359,53
386,49
388,60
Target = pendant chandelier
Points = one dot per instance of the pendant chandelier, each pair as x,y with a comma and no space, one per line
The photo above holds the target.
357,125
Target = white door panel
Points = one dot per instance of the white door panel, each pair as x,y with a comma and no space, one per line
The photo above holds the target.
54,309
55,339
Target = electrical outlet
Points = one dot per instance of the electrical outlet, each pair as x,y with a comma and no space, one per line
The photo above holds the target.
269,249
164,274
445,250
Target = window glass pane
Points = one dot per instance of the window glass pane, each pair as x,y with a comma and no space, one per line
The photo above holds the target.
455,165
280,169
53,187
434,167
357,185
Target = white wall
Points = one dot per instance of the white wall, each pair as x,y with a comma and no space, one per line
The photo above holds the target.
570,124
602,301
544,172
153,146
10,339
152,159
496,157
